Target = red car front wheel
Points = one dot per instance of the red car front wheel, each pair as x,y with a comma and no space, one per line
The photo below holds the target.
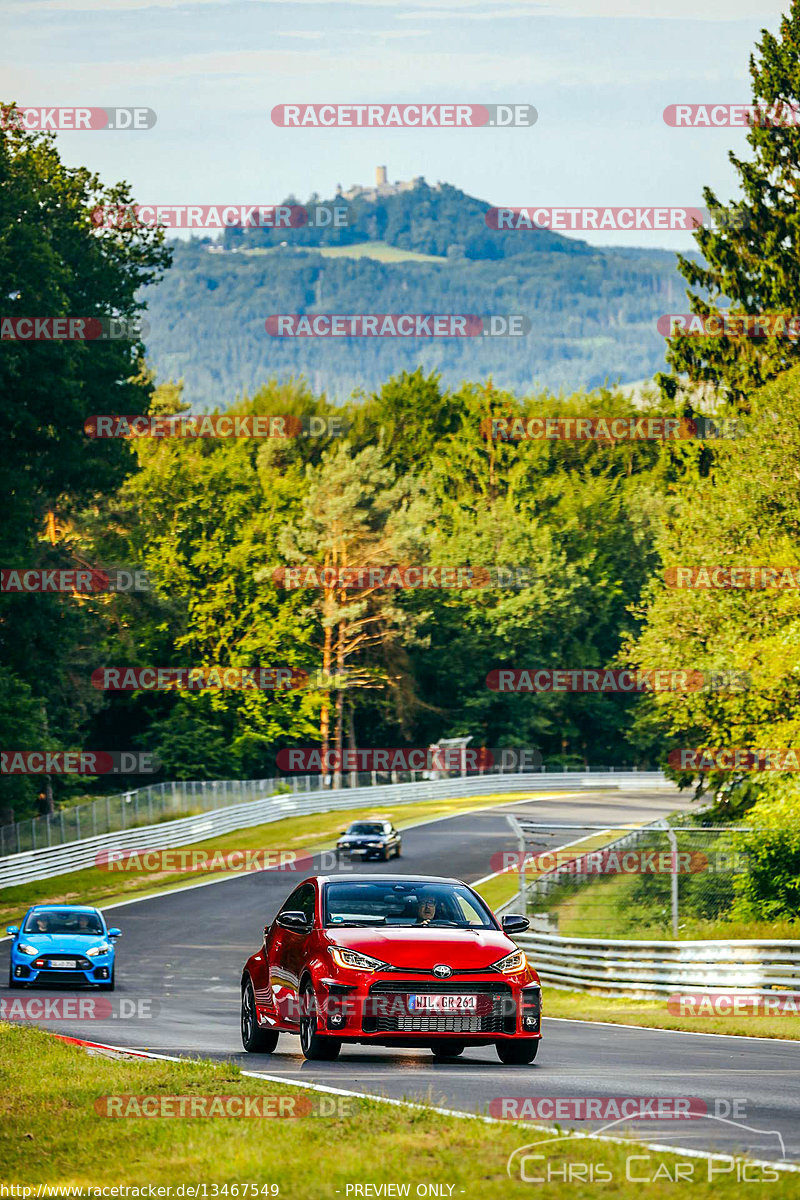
314,1045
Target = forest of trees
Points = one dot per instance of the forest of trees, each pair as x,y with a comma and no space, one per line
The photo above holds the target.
414,480
593,318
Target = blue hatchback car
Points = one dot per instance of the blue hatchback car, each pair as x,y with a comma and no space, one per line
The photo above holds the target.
62,943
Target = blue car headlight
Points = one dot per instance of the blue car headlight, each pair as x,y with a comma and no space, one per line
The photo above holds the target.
25,948
103,948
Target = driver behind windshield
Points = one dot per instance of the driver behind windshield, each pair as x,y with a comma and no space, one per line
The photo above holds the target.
426,910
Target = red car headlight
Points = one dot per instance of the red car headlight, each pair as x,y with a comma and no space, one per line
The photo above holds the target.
353,960
512,964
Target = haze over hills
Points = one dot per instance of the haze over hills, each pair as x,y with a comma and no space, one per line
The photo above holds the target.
408,248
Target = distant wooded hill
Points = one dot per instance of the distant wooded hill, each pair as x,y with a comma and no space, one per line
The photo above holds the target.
593,311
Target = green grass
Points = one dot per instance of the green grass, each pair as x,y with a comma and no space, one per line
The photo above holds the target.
50,1132
315,832
589,1006
614,907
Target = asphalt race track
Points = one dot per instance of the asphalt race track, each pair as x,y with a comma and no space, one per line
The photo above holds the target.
186,950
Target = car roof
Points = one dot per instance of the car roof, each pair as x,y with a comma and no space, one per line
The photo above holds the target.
360,876
78,908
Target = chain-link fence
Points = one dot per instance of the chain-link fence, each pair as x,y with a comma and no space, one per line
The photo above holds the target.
667,879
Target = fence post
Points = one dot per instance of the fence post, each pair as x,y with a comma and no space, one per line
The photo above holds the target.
673,877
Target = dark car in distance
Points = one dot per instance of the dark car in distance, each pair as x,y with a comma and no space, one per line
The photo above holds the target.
370,839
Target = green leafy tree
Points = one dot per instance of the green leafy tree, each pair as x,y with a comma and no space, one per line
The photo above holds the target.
55,261
745,513
751,249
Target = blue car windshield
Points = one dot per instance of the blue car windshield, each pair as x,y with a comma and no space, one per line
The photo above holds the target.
65,921
392,902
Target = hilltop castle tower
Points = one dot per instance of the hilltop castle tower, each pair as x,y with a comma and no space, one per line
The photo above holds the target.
382,187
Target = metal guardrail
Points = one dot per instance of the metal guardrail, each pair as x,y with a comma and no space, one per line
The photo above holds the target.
638,968
186,797
31,865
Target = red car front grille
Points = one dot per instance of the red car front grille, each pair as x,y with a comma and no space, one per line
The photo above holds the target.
387,1009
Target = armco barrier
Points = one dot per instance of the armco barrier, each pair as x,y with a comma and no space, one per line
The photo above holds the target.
59,860
636,968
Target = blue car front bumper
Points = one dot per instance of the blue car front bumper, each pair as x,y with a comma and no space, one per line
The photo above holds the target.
54,969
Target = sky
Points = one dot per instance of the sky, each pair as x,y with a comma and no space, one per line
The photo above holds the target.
599,72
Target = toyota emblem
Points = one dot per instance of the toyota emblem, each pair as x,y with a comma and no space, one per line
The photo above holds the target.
441,971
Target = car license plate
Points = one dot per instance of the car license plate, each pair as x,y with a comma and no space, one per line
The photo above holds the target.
425,1003
64,962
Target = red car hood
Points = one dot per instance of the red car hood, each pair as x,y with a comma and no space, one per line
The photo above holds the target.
461,949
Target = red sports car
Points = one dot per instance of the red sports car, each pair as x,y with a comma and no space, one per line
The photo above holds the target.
393,960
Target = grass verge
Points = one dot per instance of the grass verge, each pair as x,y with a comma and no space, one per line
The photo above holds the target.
620,1010
638,906
50,1132
315,832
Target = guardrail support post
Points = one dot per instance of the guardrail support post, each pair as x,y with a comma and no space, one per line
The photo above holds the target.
673,878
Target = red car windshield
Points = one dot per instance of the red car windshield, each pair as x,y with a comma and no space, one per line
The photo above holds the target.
387,902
